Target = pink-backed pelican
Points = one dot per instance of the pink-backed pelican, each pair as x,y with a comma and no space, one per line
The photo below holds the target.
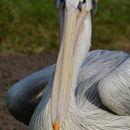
85,90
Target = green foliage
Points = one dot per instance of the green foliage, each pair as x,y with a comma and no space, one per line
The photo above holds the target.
31,26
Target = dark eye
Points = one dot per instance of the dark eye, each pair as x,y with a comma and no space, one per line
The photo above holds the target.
84,1
80,6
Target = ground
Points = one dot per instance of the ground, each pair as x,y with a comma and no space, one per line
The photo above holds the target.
12,69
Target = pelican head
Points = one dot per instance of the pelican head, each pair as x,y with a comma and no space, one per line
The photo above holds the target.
72,16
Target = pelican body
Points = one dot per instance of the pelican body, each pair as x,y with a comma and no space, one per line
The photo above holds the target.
84,90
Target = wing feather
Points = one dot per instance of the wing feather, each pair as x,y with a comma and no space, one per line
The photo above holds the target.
114,89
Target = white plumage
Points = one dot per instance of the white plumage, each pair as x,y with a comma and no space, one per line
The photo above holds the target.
95,86
108,83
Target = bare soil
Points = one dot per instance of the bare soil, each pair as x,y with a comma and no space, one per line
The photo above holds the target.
12,69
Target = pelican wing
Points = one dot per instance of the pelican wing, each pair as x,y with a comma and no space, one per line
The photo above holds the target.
114,89
103,91
94,73
24,96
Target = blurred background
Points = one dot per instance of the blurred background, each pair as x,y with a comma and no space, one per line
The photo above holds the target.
29,40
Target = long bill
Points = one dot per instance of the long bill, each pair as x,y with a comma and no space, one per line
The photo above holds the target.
62,84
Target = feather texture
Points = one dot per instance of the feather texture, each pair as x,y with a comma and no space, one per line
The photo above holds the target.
89,112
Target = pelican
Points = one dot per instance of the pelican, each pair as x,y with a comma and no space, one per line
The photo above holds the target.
84,90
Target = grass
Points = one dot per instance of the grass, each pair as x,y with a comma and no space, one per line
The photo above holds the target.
30,26
112,25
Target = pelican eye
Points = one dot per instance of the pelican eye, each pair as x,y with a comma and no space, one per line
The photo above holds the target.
80,5
84,1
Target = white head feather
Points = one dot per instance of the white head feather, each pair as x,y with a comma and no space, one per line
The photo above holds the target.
89,4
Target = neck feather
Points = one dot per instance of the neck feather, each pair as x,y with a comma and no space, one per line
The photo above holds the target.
82,49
